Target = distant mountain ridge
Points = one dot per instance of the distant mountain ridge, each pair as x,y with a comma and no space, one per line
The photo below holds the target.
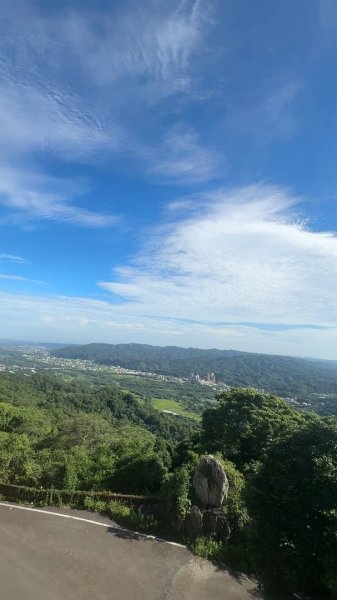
283,375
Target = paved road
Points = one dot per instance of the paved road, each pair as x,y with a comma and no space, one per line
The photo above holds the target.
47,557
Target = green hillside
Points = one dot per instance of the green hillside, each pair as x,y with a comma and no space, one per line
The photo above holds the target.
281,465
283,375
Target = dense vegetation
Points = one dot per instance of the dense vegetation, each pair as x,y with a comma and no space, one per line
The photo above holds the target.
282,375
83,437
192,397
281,465
289,463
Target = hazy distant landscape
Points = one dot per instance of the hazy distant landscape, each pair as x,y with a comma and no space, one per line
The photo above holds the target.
311,383
174,379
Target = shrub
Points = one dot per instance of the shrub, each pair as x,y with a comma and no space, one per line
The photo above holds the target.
208,548
117,510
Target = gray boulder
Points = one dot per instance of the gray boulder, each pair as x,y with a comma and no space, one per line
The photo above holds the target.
215,525
193,523
210,482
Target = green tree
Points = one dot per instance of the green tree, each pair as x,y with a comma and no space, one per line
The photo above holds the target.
17,460
77,468
83,430
292,501
245,424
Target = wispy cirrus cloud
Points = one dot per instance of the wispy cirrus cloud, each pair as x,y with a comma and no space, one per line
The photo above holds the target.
20,278
268,115
11,258
150,40
30,195
238,256
35,117
75,86
49,61
182,158
236,268
68,319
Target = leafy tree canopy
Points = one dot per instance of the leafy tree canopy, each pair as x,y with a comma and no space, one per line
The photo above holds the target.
245,424
292,501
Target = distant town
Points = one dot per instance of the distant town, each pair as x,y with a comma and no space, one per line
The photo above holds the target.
33,358
29,359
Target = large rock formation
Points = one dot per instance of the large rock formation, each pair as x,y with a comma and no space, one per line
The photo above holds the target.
193,523
210,523
210,482
215,525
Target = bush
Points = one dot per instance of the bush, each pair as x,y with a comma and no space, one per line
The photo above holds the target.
235,508
118,511
125,515
176,490
208,548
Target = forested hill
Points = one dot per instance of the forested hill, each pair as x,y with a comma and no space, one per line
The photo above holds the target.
74,436
59,436
282,375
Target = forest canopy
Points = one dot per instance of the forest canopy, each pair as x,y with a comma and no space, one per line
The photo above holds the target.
281,465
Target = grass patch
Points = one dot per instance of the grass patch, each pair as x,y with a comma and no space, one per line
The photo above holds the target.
209,549
173,406
123,515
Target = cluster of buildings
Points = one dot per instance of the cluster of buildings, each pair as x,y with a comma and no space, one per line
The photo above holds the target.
209,379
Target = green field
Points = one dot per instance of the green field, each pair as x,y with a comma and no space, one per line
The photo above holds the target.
174,407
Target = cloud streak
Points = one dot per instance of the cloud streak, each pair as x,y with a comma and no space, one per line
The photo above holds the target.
139,55
70,319
234,268
32,195
11,258
20,278
240,256
153,40
75,85
184,159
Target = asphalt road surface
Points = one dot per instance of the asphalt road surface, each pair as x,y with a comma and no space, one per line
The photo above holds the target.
51,557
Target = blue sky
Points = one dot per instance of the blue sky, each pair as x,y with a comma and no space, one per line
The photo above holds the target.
168,173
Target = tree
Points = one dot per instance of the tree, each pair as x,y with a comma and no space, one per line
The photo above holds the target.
293,505
89,430
245,424
17,460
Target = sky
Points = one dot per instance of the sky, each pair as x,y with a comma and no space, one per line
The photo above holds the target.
168,173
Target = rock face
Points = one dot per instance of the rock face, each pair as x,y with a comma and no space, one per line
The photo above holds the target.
215,525
210,523
193,523
210,482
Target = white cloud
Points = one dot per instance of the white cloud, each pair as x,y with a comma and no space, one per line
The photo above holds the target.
82,320
20,278
30,195
241,270
48,64
183,158
75,85
35,117
149,39
11,258
241,256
